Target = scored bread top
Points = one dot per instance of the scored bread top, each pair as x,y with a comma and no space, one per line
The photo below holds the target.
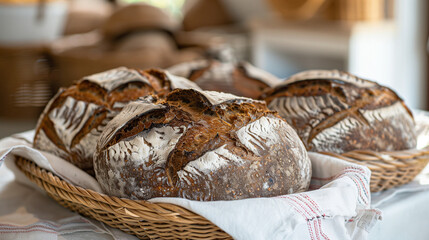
257,73
202,109
178,146
329,74
336,111
144,106
109,80
74,118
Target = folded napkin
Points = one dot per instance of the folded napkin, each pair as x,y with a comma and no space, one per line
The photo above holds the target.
336,207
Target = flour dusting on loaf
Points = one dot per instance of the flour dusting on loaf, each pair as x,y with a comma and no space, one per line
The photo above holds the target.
217,98
258,73
329,74
220,149
73,120
180,82
111,79
337,112
258,135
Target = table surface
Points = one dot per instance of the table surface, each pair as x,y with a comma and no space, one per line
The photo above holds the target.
404,217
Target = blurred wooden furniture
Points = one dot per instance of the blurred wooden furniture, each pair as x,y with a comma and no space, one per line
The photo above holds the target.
24,76
297,9
345,10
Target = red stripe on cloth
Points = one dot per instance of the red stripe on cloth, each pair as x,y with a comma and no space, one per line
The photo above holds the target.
363,186
360,190
320,212
317,230
308,198
299,196
374,210
315,219
310,230
309,215
298,210
321,230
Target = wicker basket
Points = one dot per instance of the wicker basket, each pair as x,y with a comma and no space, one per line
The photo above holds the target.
388,169
168,221
140,218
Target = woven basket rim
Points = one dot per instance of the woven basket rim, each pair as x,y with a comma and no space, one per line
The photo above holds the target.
370,158
388,168
166,210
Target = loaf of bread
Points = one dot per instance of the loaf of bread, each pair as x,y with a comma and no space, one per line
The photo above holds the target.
200,145
241,79
337,112
135,18
74,118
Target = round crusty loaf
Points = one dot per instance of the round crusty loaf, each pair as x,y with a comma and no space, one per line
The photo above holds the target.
241,79
200,145
74,118
138,17
337,112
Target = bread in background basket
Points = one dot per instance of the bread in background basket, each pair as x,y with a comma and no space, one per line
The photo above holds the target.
337,112
354,119
74,118
241,79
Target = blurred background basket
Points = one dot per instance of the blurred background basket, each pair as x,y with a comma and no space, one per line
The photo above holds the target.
388,169
25,76
141,218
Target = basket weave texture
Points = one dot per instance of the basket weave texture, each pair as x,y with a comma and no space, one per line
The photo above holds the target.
148,220
388,169
141,218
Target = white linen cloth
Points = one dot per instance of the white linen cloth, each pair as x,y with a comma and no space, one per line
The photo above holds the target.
337,208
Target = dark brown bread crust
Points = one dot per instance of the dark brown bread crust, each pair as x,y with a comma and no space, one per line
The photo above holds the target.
211,150
71,123
337,112
241,79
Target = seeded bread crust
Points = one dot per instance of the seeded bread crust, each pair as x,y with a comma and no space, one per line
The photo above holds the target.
200,145
75,117
337,112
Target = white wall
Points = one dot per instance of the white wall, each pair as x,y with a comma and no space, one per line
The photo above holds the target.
410,65
392,53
